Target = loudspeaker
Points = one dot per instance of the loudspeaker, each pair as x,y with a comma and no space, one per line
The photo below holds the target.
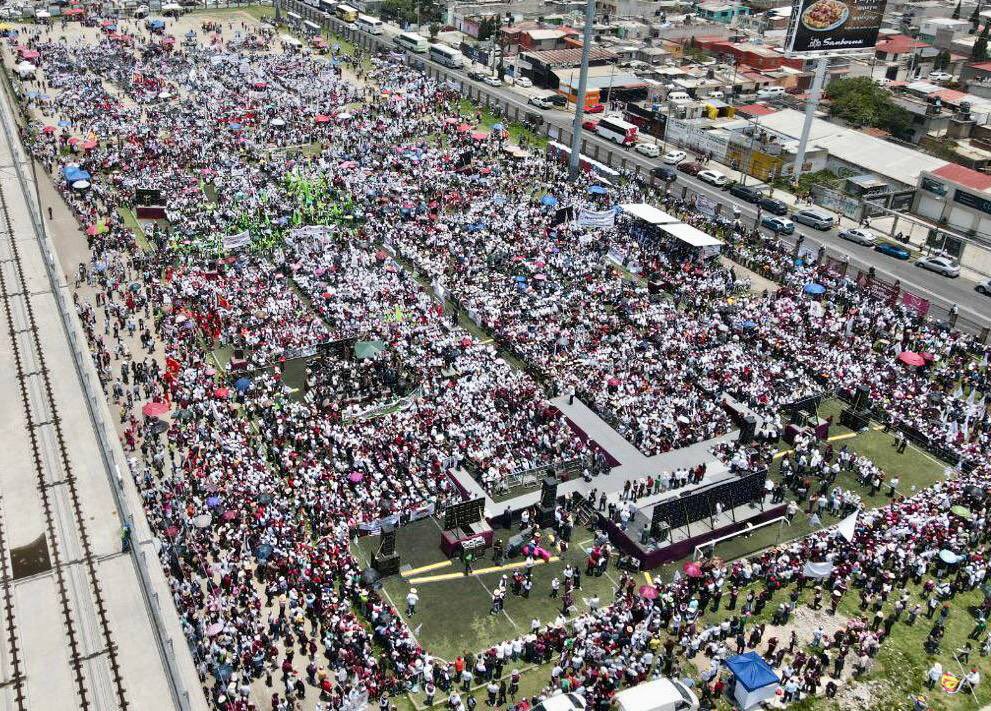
386,565
548,492
748,429
854,419
862,398
387,546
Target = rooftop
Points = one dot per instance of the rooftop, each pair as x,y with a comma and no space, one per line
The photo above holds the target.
755,110
964,176
898,44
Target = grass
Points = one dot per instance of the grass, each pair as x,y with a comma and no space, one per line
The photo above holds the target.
131,221
516,130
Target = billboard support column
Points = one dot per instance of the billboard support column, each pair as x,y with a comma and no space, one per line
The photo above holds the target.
576,125
810,109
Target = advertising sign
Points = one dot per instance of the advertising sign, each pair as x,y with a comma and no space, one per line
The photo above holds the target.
825,26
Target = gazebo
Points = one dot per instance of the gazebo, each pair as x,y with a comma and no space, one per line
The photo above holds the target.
755,679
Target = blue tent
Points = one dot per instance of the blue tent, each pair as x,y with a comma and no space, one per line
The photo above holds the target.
73,173
815,289
755,679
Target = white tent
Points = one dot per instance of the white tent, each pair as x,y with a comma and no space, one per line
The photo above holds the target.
691,235
25,70
648,213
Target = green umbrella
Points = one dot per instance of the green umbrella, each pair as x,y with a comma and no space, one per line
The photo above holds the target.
961,511
368,349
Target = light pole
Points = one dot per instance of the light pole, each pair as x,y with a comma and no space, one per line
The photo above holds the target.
576,125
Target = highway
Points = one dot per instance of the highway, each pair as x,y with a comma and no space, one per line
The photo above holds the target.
942,292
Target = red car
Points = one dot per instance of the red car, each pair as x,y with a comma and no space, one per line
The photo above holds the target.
690,168
589,124
595,108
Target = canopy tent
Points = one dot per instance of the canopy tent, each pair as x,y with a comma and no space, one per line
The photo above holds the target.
756,681
156,24
25,70
74,173
649,214
690,235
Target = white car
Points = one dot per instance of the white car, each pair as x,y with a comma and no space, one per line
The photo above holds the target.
940,76
713,177
540,102
860,236
522,82
648,149
941,265
492,80
984,287
674,157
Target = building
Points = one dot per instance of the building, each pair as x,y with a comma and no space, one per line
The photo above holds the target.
957,198
722,12
542,66
902,58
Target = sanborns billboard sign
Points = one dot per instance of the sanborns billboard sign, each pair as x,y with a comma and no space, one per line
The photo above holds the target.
824,26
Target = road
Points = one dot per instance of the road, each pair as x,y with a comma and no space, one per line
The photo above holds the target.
974,308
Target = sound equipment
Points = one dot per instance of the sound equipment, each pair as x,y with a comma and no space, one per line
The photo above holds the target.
148,197
463,514
862,398
386,560
548,491
855,420
747,429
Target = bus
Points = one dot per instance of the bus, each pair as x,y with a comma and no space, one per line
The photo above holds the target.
371,25
617,131
448,56
328,6
411,41
347,13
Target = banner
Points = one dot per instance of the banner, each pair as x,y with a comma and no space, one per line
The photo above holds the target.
705,205
912,301
848,526
824,26
696,136
236,241
600,219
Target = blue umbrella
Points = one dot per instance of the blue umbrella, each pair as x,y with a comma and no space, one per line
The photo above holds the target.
223,673
235,127
747,324
598,190
498,127
263,552
213,501
548,200
948,556
520,278
815,289
63,123
242,385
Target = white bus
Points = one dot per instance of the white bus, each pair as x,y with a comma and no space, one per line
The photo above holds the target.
448,56
371,25
617,130
411,41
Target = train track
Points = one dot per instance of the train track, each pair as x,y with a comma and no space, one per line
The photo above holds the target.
93,657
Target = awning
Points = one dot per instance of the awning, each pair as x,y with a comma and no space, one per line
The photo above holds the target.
648,213
691,235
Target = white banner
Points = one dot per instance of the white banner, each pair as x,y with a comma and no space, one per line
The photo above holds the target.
310,232
241,239
601,219
695,136
848,526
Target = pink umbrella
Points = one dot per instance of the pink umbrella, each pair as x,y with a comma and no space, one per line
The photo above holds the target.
692,570
230,515
648,592
48,129
355,477
613,382
321,118
463,128
911,358
155,409
73,141
479,136
214,629
221,392
89,145
172,531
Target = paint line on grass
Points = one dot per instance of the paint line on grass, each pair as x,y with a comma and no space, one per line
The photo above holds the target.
425,568
480,571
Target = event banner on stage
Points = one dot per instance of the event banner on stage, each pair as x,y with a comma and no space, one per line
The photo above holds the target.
600,219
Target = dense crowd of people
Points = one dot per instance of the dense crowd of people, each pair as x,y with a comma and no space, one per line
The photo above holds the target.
347,217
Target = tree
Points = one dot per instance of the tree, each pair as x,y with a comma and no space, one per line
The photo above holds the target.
942,60
861,102
980,51
434,31
956,11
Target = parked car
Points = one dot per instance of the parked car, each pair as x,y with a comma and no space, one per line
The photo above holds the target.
860,236
562,702
892,250
778,225
774,206
523,82
940,76
557,100
690,168
813,217
663,172
674,157
648,149
492,80
539,101
984,287
595,109
656,695
746,192
713,177
476,74
771,92
589,124
947,266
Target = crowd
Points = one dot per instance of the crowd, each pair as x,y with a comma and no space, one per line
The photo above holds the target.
317,212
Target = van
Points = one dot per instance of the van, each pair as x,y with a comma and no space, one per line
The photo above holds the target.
562,702
812,217
658,695
771,92
679,97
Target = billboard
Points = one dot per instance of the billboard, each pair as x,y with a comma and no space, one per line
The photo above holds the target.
834,26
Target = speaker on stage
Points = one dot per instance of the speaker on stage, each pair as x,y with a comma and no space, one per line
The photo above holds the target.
386,560
862,398
748,429
548,492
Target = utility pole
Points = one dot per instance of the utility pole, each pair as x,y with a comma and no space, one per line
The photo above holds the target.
576,125
278,11
810,109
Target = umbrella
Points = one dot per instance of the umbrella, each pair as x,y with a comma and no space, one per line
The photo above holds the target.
948,556
158,427
277,122
321,118
961,511
89,145
498,127
63,123
155,409
598,190
692,570
172,531
221,392
368,349
263,551
235,127
463,128
213,501
814,289
479,135
613,382
648,592
223,673
242,385
355,477
48,129
910,358
747,325
230,515
80,185
215,629
548,200
203,520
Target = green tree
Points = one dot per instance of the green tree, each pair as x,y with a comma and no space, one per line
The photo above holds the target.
434,31
862,102
980,51
942,60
